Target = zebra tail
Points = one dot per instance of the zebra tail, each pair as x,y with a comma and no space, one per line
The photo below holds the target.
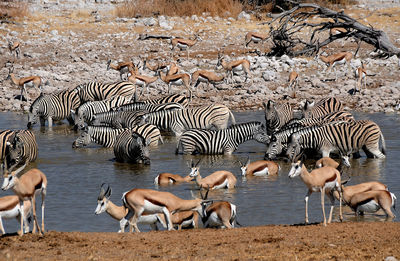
383,144
232,118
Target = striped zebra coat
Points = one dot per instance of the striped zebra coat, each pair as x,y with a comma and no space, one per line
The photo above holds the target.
324,106
53,107
5,136
344,138
95,91
149,107
106,136
224,141
195,118
21,150
86,112
173,98
117,119
276,115
325,119
132,148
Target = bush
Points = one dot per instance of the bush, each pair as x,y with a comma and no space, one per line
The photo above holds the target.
13,9
221,8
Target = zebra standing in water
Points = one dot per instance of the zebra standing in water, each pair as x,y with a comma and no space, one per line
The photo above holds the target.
53,107
21,150
195,118
224,141
132,147
276,115
86,111
106,136
345,138
95,91
5,136
323,107
136,106
117,119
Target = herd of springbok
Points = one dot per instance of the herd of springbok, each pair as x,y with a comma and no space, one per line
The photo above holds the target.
145,206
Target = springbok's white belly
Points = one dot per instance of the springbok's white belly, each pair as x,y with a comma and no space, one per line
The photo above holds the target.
140,82
213,221
371,207
222,185
177,82
255,39
182,46
148,219
237,68
12,213
152,208
343,61
202,79
262,172
188,223
29,84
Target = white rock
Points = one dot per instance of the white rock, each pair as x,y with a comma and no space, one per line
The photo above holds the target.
54,32
149,21
269,75
244,15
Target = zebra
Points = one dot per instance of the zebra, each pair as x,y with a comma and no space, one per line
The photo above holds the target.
53,107
5,136
325,119
116,119
132,147
276,115
324,106
149,107
95,91
195,118
173,98
106,136
224,141
86,111
345,138
21,150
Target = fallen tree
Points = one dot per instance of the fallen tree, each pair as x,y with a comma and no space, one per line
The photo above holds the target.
286,26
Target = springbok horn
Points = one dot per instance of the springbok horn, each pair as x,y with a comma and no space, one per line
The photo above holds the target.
108,192
248,160
197,164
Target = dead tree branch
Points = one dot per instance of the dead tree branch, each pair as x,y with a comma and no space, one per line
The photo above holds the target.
293,32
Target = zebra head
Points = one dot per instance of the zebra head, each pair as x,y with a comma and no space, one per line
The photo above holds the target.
260,134
14,151
78,118
294,148
274,149
296,169
34,111
83,140
103,199
141,153
271,115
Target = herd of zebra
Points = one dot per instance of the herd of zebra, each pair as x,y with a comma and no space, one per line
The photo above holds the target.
111,116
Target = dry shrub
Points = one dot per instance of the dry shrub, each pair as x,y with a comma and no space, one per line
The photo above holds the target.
222,8
13,9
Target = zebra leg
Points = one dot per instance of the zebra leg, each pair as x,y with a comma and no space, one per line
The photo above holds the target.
50,121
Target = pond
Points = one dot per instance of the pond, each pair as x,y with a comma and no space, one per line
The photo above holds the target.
75,175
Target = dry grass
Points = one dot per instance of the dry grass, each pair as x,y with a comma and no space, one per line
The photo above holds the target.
222,8
12,9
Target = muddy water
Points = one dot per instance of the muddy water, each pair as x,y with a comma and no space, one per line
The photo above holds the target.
75,175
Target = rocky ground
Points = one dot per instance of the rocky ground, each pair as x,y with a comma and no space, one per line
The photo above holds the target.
338,241
70,42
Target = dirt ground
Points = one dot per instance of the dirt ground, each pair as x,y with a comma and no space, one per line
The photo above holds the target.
338,241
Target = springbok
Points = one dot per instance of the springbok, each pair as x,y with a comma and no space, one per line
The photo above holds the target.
14,48
166,178
141,80
10,208
338,58
25,188
122,67
30,81
327,161
259,168
255,37
319,180
218,179
293,81
361,75
149,201
184,44
234,66
178,80
208,77
372,201
167,68
220,214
